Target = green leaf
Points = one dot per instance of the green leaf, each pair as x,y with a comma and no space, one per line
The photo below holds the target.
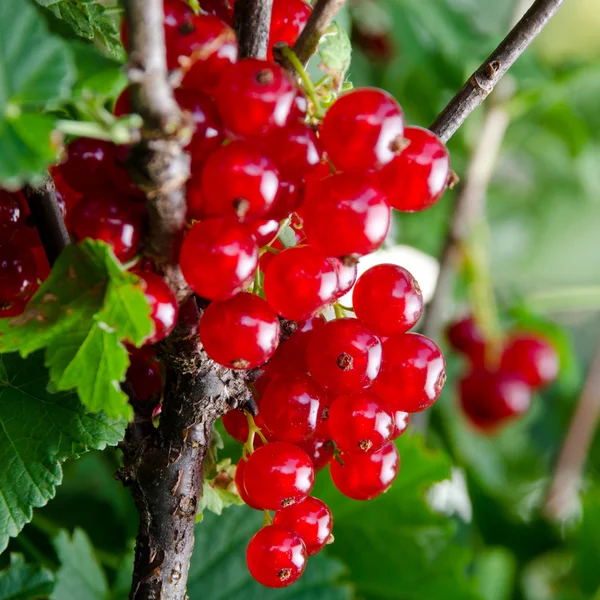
88,304
219,492
218,569
80,576
396,542
335,52
495,571
20,581
89,20
33,75
38,431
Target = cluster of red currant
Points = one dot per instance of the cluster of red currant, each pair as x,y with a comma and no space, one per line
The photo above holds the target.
501,377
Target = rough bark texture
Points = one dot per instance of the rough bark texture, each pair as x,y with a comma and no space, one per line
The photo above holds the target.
251,22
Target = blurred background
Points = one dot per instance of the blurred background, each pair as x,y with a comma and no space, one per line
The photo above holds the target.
465,519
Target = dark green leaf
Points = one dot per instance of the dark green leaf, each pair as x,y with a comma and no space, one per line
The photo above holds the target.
39,431
20,581
81,313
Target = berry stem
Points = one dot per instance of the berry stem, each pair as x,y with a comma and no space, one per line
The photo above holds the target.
339,311
253,430
268,520
84,129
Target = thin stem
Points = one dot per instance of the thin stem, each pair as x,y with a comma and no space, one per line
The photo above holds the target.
339,311
84,129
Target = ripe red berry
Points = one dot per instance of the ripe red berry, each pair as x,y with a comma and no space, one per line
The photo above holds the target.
118,172
344,356
401,422
360,423
287,22
108,216
311,519
208,133
291,407
363,130
217,258
412,374
85,167
289,198
388,299
418,176
263,230
346,276
299,281
278,475
145,379
239,180
467,337
206,48
11,213
266,92
163,305
123,103
319,449
530,357
366,476
239,483
18,274
220,8
276,556
345,215
490,399
240,333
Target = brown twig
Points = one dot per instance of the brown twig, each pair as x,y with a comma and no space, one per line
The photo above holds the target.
251,22
483,81
561,499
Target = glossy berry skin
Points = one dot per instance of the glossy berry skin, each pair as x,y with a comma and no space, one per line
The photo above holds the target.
206,48
208,133
416,179
18,274
239,181
299,281
345,215
278,475
108,216
163,305
276,556
220,8
85,167
311,519
467,337
347,273
366,476
344,356
489,399
289,198
11,212
401,423
360,423
319,449
532,358
412,374
362,130
264,89
217,258
145,379
388,299
264,231
240,333
288,19
240,486
291,407
118,172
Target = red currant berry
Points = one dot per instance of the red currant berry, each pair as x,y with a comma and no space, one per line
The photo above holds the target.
239,180
346,275
289,198
163,305
291,408
530,357
240,333
145,379
466,337
217,258
490,399
239,483
123,103
68,194
388,299
319,449
418,176
299,282
276,556
110,217
360,423
311,519
85,168
345,215
118,172
220,8
11,213
412,374
344,356
18,274
278,475
208,133
264,231
363,130
288,19
366,476
265,90
401,422
206,48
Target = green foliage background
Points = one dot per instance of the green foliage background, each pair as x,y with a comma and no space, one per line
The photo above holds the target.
543,211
